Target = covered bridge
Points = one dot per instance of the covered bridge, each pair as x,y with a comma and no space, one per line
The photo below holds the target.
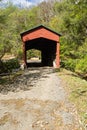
45,40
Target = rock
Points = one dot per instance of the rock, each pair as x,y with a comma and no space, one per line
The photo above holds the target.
22,67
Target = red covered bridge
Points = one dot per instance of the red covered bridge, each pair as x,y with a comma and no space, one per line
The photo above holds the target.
45,40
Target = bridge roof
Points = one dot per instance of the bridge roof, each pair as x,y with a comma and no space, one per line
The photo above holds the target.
40,32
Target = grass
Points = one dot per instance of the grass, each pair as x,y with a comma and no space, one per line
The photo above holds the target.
77,89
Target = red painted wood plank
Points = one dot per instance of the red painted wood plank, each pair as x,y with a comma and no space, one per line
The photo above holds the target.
42,32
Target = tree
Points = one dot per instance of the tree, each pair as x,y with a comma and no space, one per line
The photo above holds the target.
45,12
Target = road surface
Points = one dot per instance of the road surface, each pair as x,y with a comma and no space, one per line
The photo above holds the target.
37,101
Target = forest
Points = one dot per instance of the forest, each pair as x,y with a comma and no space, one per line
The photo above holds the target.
67,17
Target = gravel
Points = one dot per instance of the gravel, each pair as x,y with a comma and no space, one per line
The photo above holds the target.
37,101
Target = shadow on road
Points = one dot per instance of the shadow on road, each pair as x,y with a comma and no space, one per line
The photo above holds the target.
27,80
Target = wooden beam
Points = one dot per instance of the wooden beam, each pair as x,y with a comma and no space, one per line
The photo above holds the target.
57,55
24,55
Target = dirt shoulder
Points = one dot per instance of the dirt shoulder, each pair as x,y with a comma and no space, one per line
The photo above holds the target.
38,102
76,88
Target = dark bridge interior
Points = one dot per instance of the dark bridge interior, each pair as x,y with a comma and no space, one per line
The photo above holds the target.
47,48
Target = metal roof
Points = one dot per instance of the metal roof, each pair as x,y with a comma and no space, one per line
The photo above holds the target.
38,27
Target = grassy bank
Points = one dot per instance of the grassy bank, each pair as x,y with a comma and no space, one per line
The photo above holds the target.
77,89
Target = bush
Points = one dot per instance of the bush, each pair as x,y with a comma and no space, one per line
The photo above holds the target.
69,64
81,66
1,66
9,65
76,65
20,54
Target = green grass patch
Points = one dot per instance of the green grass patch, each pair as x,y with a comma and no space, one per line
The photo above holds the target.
77,89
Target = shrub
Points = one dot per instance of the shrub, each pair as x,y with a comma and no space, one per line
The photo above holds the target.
81,66
20,54
1,66
69,64
9,65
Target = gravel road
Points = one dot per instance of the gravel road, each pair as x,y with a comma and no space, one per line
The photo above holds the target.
37,101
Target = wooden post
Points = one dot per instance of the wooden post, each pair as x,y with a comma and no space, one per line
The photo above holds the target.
24,54
57,55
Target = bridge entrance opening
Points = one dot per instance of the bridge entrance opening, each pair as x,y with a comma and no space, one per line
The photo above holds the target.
34,58
46,54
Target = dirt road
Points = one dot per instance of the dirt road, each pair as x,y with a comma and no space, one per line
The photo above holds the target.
37,101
